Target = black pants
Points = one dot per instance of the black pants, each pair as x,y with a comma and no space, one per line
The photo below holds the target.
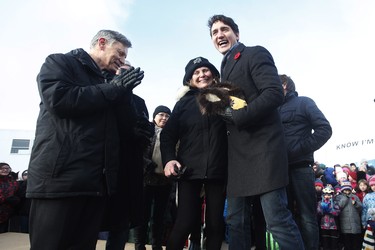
117,240
189,212
155,204
352,241
66,223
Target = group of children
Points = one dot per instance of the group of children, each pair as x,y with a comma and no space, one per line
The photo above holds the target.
346,209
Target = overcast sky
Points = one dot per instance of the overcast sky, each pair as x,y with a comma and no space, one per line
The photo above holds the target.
326,46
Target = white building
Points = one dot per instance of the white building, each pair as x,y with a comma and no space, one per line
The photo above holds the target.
15,148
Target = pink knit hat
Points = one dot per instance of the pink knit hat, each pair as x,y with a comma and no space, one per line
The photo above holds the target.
371,181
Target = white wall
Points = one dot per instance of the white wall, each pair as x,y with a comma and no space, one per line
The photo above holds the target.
352,147
20,161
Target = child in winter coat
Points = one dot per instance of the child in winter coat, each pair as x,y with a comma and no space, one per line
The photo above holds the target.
350,217
329,210
368,216
330,177
352,177
362,189
368,239
368,202
318,189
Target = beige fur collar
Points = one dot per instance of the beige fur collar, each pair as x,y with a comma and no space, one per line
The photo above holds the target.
181,92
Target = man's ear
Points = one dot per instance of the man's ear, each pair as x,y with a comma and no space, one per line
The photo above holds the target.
102,41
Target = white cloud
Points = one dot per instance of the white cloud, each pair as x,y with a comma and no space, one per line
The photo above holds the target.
35,29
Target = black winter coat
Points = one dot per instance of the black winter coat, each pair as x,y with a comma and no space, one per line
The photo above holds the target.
257,152
201,139
305,127
77,140
124,205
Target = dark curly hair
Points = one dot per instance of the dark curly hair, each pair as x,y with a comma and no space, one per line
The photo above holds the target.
226,20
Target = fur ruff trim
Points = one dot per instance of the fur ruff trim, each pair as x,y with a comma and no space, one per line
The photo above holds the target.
212,101
181,92
216,98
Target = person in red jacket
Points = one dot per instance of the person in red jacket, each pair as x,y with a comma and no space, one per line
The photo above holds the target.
362,189
8,195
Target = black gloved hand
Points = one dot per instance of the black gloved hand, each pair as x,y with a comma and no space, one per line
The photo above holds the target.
117,79
144,130
12,200
129,78
179,171
227,115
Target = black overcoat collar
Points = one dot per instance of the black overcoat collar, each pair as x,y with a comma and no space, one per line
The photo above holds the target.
233,58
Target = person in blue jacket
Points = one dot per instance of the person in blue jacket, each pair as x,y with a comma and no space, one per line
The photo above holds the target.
306,129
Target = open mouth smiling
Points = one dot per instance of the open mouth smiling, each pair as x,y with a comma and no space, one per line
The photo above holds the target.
223,43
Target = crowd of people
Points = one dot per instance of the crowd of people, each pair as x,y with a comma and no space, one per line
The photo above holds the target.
345,205
240,138
14,206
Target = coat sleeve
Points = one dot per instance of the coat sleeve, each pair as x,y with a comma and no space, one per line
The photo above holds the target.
265,88
342,200
357,204
169,136
364,212
67,91
321,127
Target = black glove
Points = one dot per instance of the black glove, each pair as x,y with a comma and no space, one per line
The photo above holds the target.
227,115
179,171
12,200
128,79
144,130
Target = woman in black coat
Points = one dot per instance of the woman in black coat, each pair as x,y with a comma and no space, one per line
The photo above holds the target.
201,155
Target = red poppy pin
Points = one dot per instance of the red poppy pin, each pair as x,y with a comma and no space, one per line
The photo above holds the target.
236,56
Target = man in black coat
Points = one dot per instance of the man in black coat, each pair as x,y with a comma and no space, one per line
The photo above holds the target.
135,131
257,164
306,130
75,159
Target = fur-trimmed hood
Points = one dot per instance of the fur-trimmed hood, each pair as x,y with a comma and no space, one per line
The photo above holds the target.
181,92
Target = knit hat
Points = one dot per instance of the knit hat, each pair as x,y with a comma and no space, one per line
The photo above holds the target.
4,164
353,175
328,190
159,109
346,169
371,181
322,166
346,185
341,175
24,173
319,183
196,63
337,188
371,213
